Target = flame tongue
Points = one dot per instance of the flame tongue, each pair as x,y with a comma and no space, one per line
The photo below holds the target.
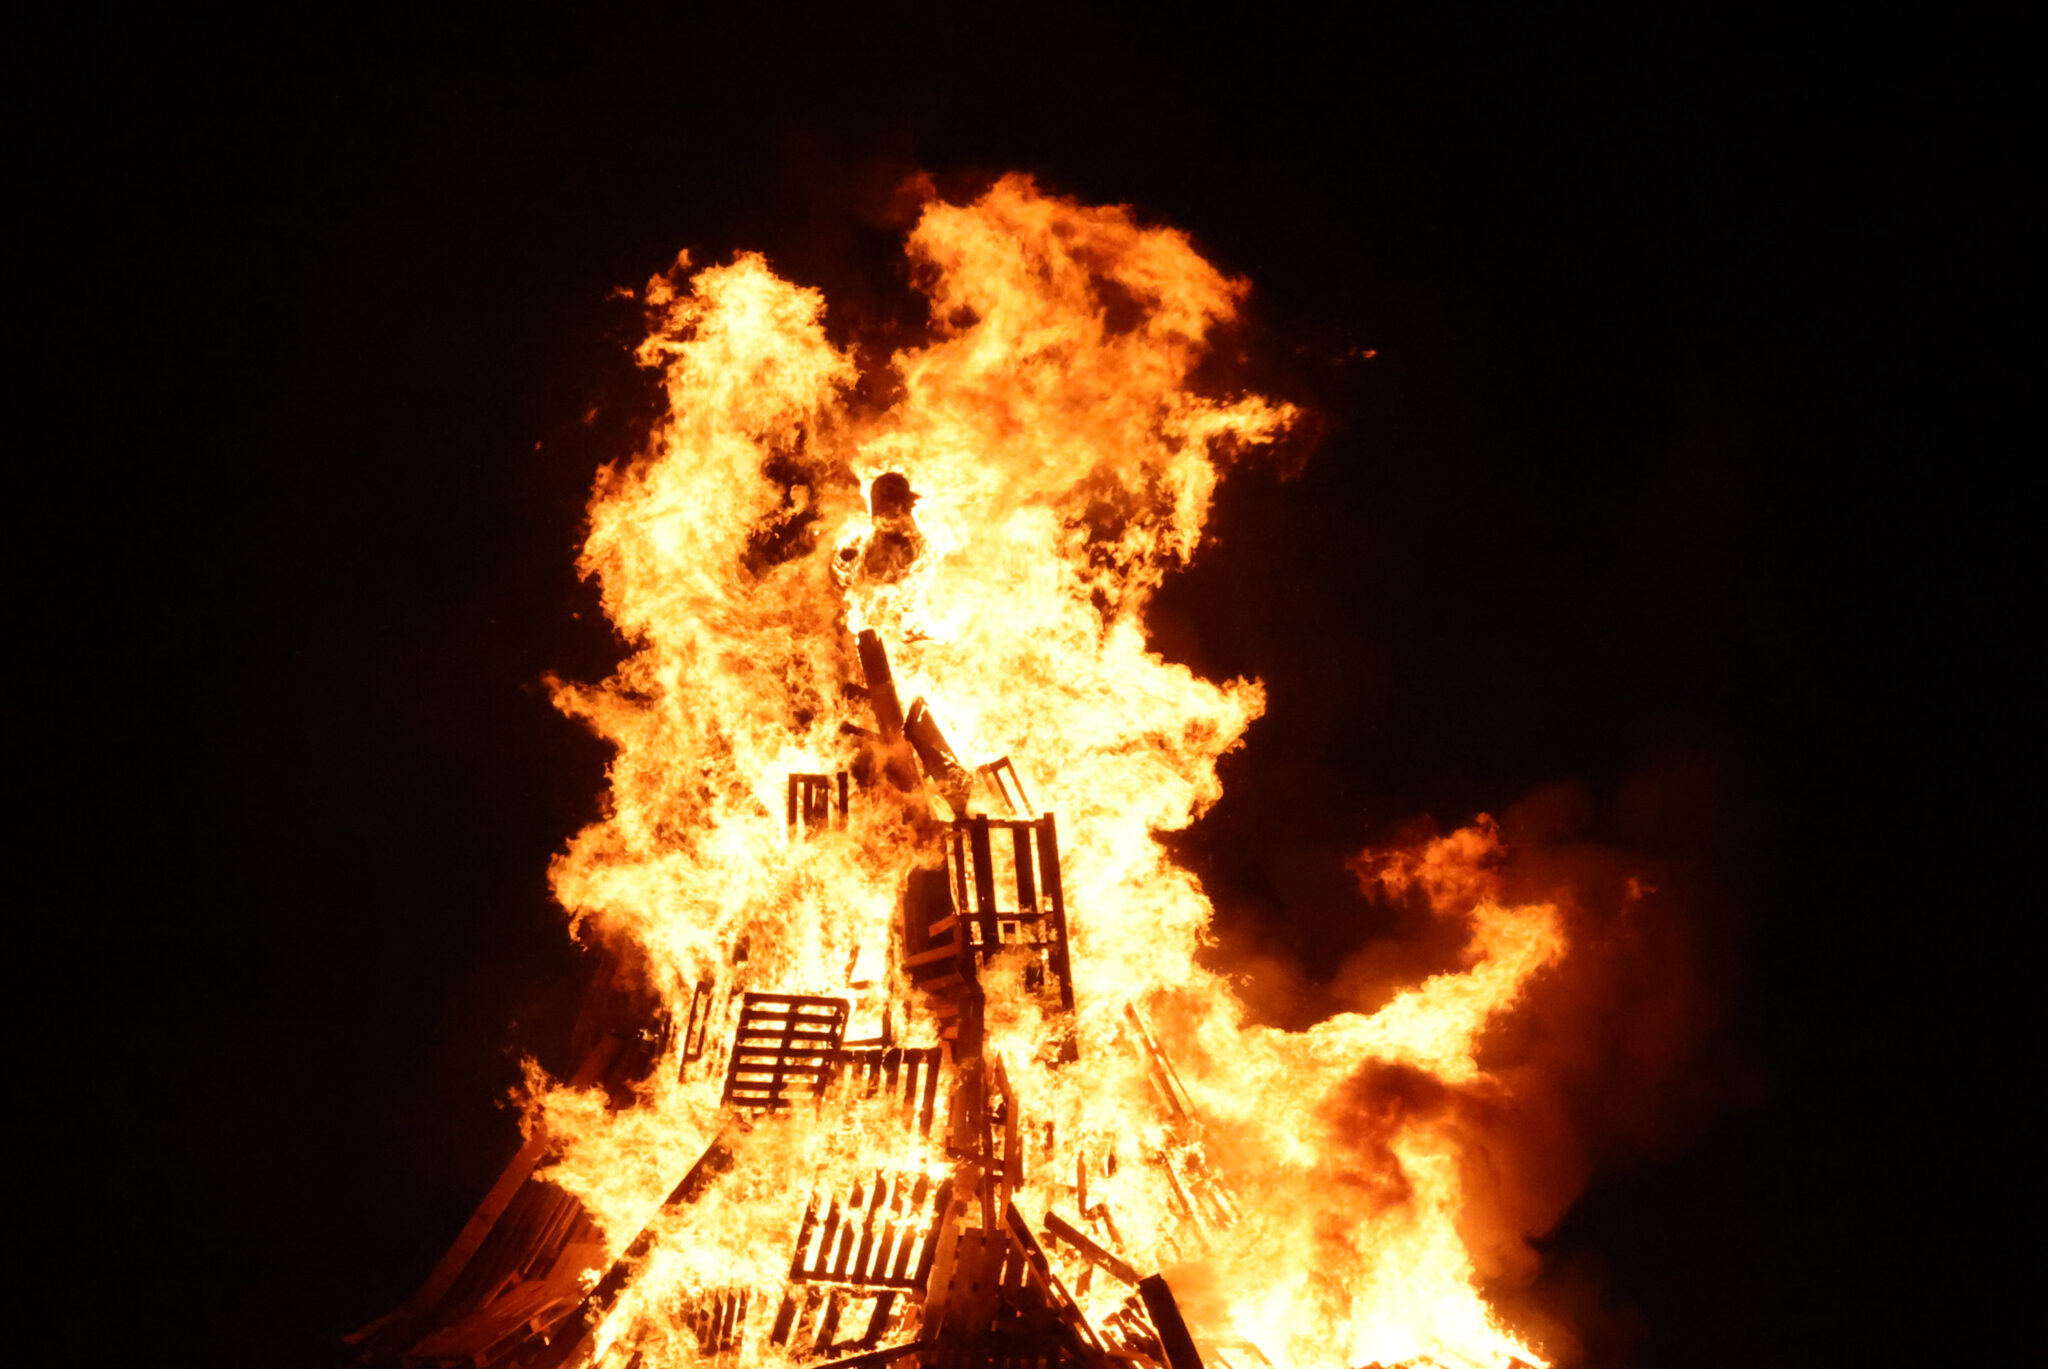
994,536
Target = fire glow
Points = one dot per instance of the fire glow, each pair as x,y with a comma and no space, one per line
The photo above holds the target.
931,1061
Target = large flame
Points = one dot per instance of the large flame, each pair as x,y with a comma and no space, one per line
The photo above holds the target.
1301,1190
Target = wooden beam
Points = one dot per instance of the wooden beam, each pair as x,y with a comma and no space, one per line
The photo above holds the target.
874,664
1174,1337
1060,1229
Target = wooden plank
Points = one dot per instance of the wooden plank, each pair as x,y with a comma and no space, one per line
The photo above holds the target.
696,1026
828,1326
982,915
874,664
1163,1076
1022,857
1013,1147
824,1265
1056,901
872,1358
865,1251
930,1061
878,1320
1065,1231
942,1224
803,1242
1174,1337
785,1319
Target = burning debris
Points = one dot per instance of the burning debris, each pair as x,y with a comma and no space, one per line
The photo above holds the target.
891,1064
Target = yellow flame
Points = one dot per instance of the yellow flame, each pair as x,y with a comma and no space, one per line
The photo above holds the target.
1064,465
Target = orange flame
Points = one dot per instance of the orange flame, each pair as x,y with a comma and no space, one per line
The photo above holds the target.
1299,1189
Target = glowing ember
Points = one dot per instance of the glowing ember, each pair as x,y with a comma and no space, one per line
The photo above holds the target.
880,1101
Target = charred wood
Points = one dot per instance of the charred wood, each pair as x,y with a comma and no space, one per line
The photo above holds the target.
891,754
1085,1341
696,1025
882,1236
1174,1338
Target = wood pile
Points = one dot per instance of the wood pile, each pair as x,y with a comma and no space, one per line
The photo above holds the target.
902,1269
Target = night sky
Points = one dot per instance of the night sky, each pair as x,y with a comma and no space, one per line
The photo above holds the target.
1685,490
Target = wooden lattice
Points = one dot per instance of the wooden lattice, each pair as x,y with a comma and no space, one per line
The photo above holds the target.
786,1048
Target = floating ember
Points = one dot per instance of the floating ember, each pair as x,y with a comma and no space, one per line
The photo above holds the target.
902,1053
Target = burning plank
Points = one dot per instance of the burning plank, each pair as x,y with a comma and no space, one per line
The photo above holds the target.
882,697
1062,1230
936,755
875,1358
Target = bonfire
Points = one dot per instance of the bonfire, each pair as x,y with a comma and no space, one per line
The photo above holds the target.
901,1051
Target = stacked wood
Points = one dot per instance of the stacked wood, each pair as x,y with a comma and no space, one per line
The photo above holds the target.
998,890
1027,910
909,1268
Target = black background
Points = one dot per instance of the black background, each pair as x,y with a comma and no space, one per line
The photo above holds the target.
1690,441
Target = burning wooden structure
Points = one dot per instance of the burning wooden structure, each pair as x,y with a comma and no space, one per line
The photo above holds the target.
903,1054
906,1268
